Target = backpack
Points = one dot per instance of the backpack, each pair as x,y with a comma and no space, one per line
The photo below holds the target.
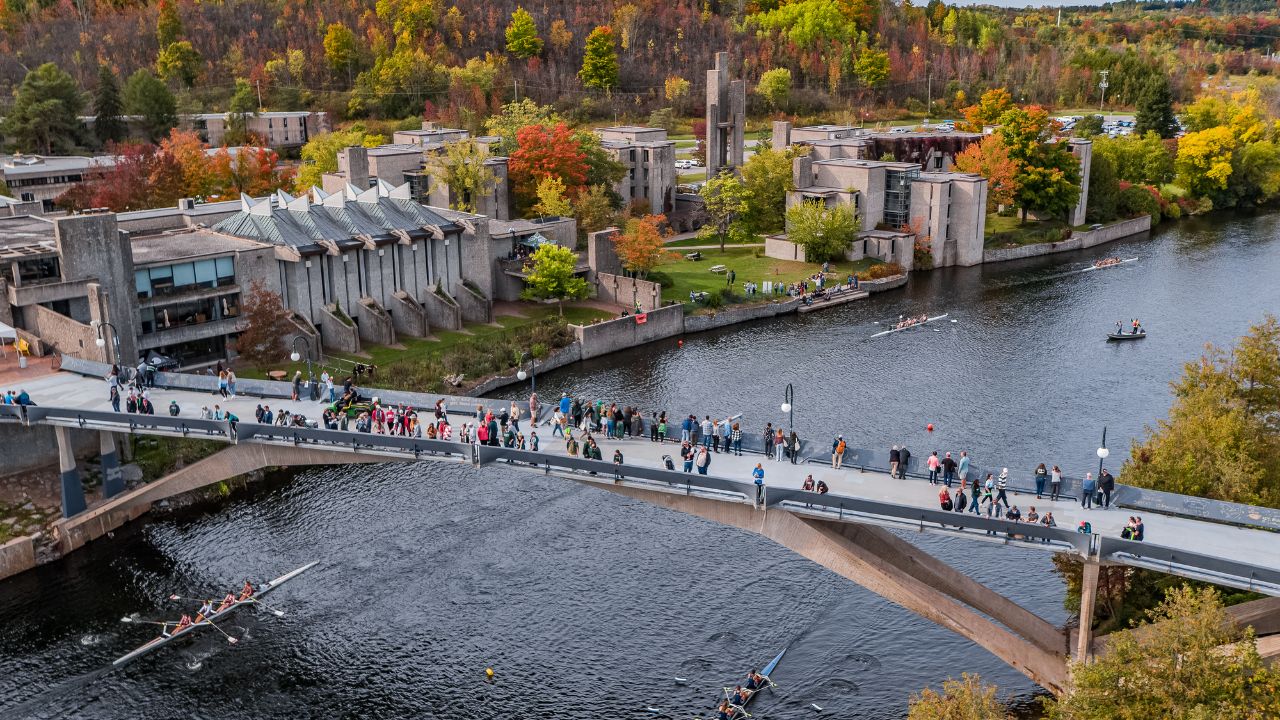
1086,528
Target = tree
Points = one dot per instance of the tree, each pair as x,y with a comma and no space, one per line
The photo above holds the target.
560,34
340,49
320,154
1023,130
546,153
1049,181
1104,188
551,200
1144,160
1220,439
146,96
142,178
775,88
552,275
514,116
179,62
462,168
594,210
675,89
965,699
767,178
641,245
724,199
1155,109
108,125
1255,173
990,107
266,325
244,104
169,28
1088,126
45,113
188,151
599,60
602,168
990,159
1193,662
251,171
872,67
824,232
1204,161
522,35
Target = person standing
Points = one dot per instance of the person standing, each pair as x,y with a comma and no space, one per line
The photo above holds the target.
115,398
758,476
894,457
736,437
768,439
795,447
1107,484
704,460
708,431
964,466
1055,482
837,452
1041,476
779,445
948,470
231,382
904,459
686,429
222,384
533,410
1090,487
297,385
934,465
686,454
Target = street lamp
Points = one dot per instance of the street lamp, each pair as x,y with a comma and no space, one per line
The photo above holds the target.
101,341
532,375
294,356
788,398
1103,452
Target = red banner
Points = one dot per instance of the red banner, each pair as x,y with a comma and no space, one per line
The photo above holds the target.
642,318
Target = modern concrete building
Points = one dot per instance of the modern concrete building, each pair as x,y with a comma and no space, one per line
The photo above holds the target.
932,150
42,178
726,117
275,129
430,134
650,159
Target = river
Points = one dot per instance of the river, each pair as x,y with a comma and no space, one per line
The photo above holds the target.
588,605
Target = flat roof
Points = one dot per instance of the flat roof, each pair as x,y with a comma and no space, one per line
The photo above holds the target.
854,162
881,135
187,245
26,236
20,165
396,149
947,176
504,228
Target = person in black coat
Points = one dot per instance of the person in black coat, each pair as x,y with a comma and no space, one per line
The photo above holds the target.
904,457
1107,484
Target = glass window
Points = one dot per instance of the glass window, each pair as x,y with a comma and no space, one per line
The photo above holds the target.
161,279
206,273
184,274
143,281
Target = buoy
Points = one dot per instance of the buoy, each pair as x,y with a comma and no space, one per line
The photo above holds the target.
929,427
680,343
488,672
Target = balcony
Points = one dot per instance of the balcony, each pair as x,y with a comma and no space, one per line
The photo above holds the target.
36,292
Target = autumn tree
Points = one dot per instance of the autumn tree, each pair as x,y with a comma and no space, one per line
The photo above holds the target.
522,35
824,232
594,210
1049,181
513,117
340,49
143,177
179,63
252,171
641,244
148,98
551,199
244,104
965,699
320,154
45,113
988,110
1104,188
676,90
169,28
266,324
552,275
990,159
775,88
462,168
724,199
599,60
1204,161
543,152
872,67
1137,159
197,172
767,178
561,36
108,108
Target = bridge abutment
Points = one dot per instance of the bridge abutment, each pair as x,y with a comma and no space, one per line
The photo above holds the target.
109,458
73,502
1088,597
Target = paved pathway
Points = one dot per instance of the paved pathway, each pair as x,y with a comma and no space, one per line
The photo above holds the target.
1246,545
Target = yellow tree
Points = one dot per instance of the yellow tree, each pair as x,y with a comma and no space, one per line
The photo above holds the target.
990,159
641,244
990,107
1204,160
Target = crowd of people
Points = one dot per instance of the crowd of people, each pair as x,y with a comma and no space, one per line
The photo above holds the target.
19,398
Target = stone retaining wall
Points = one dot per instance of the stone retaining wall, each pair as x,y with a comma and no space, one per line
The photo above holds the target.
17,555
734,315
1079,240
889,283
628,292
614,335
442,311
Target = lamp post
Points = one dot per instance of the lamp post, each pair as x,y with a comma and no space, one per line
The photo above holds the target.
532,375
1103,452
788,399
295,357
101,341
1103,85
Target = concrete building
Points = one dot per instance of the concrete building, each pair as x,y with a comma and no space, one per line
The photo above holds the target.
276,129
430,134
12,207
42,178
932,150
650,159
726,118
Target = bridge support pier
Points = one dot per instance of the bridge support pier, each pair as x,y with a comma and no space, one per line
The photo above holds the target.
73,502
1088,597
112,477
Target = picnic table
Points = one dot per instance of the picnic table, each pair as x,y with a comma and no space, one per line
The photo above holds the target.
719,269
695,255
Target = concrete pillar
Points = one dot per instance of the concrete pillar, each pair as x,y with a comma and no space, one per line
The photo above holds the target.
1083,150
112,477
1088,596
72,491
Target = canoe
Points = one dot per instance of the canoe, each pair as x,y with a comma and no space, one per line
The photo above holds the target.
163,640
1126,336
740,711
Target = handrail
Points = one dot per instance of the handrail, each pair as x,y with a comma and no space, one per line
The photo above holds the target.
1112,547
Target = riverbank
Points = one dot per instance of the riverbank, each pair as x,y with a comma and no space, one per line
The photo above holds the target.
1079,240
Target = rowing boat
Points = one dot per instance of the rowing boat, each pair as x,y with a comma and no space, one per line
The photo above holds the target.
166,639
1114,264
740,711
914,325
1127,336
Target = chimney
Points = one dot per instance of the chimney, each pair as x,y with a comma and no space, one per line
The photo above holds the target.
353,162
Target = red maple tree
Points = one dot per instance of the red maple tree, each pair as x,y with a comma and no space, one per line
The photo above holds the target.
546,152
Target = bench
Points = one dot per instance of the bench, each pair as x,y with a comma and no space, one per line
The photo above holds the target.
719,269
695,255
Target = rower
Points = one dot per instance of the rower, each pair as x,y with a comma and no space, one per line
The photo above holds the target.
752,682
183,624
739,696
726,711
205,610
227,602
247,591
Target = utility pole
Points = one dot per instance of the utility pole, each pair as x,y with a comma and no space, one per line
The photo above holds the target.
258,85
928,105
1103,84
516,85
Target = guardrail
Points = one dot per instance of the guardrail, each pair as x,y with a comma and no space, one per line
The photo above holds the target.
1191,564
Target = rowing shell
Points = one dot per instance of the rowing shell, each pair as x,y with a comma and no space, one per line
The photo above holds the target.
1104,267
889,332
740,711
162,640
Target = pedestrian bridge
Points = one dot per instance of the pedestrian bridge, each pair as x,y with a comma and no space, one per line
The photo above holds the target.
846,530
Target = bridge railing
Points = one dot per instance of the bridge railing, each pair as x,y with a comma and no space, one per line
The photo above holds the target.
11,413
128,422
1213,569
354,441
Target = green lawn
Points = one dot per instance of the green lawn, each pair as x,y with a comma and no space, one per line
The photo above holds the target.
445,339
691,176
689,276
1003,232
697,241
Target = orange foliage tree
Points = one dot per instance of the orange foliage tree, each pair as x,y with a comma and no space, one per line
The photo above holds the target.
987,111
641,244
543,152
990,159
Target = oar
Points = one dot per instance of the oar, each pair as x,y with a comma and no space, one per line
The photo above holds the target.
230,639
128,619
268,608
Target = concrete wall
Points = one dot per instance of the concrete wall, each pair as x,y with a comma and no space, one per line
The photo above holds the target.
374,323
91,247
781,249
337,334
63,333
613,335
628,292
39,444
442,311
407,316
474,307
17,555
601,255
732,315
1079,240
1083,150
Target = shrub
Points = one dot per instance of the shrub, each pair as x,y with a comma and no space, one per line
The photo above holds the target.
880,271
661,278
1138,200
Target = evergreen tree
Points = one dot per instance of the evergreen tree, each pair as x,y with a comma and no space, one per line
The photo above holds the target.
522,35
168,25
1155,109
600,60
1104,189
109,126
44,117
145,95
244,104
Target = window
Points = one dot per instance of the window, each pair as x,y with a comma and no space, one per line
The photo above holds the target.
206,274
184,274
142,279
226,271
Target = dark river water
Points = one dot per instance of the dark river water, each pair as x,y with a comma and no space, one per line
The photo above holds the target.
588,605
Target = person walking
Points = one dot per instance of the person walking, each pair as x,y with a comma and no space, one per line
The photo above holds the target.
975,498
222,384
894,457
231,382
1002,483
988,495
297,385
963,469
533,410
617,463
1055,482
948,470
904,460
758,476
1087,490
934,465
1107,484
704,460
1041,476
115,398
837,452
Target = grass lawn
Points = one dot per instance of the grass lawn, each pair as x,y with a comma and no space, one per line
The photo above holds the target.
695,241
689,276
1003,232
691,176
415,348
